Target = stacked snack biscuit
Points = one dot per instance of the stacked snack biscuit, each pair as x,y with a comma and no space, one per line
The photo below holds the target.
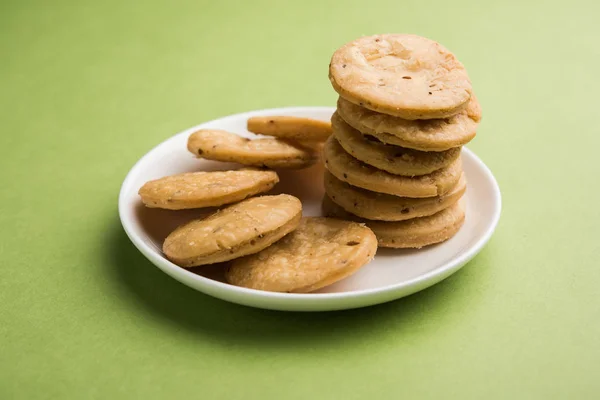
406,107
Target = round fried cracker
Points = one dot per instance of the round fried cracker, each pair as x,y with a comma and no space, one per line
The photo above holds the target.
412,233
385,207
218,145
292,128
400,74
238,230
206,189
393,159
319,252
425,135
350,170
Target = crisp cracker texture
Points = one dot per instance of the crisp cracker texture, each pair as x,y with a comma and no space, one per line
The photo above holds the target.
425,135
350,170
385,207
292,128
412,233
319,252
404,75
240,229
206,189
393,159
219,145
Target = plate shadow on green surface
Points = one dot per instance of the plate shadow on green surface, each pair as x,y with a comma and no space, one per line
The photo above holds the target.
174,303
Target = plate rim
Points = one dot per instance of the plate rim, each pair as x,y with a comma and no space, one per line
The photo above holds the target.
215,288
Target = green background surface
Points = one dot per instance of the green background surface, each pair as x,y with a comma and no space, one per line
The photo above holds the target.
88,87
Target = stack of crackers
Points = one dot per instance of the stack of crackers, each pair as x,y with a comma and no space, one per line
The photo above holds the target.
406,108
393,173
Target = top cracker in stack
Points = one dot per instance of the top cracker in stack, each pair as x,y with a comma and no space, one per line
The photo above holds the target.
406,107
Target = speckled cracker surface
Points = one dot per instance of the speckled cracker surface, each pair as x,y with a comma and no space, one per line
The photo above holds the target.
385,207
426,135
408,76
293,128
219,145
206,189
349,169
393,159
412,233
318,253
240,229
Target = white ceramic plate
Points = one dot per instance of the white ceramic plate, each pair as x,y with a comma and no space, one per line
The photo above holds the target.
391,275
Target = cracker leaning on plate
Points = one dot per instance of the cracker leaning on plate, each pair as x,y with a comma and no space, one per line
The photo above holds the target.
292,128
319,252
243,228
218,145
206,189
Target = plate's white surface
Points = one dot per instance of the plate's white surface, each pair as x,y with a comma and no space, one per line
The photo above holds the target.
391,275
